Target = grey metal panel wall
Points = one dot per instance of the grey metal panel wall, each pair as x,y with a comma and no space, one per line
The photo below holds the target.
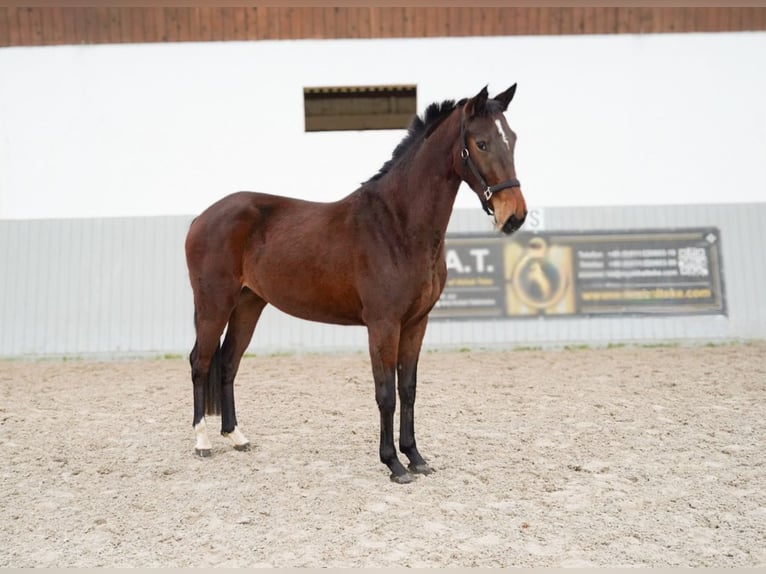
93,286
119,287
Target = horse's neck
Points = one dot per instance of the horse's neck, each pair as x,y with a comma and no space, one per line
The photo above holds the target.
423,195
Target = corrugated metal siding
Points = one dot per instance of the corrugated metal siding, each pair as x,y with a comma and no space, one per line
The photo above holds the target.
119,286
80,287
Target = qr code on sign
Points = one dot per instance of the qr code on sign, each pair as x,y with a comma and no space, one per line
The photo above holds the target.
692,262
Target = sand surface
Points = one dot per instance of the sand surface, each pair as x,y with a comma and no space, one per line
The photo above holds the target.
609,457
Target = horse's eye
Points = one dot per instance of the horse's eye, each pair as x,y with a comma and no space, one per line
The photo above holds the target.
482,145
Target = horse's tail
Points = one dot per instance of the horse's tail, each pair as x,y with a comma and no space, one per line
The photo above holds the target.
213,385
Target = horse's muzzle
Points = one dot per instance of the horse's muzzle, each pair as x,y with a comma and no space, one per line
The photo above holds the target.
513,223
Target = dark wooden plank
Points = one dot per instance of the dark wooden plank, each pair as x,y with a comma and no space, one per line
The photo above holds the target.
284,23
612,20
555,20
193,23
474,22
328,17
14,30
271,32
352,21
250,15
41,26
735,19
623,20
306,21
76,23
215,20
183,18
589,21
488,19
203,22
171,24
404,18
36,25
386,19
238,22
148,29
759,18
297,23
374,21
566,21
441,22
24,26
66,21
544,21
5,28
125,19
53,27
340,25
101,25
723,24
160,30
451,21
518,21
90,25
227,24
417,27
48,27
115,26
532,25
364,22
263,22
645,20
712,19
136,32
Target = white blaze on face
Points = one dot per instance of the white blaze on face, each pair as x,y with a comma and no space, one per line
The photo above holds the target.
501,131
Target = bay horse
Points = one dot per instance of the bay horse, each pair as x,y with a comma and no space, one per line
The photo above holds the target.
374,258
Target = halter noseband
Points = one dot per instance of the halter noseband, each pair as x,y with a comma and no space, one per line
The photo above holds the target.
489,190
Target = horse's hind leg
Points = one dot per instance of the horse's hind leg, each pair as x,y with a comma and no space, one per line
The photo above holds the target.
213,305
205,371
238,335
410,343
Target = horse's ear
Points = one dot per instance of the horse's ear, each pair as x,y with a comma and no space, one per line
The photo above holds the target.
506,97
476,104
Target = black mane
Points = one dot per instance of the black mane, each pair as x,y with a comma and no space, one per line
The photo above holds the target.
420,129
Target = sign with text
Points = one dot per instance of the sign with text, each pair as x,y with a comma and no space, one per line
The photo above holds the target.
647,272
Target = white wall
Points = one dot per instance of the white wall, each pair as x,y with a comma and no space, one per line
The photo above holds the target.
90,131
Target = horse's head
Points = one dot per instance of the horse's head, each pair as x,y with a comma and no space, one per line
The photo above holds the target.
485,158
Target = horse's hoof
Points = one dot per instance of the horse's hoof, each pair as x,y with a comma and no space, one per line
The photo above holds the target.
242,447
420,468
203,452
405,478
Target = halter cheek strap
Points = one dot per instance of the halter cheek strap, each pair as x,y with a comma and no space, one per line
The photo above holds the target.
488,190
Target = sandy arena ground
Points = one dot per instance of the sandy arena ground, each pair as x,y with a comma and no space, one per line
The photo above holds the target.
610,457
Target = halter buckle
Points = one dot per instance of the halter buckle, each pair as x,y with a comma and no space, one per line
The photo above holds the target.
487,193
464,154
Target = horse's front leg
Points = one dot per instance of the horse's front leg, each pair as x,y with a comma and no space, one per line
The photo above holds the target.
384,343
410,343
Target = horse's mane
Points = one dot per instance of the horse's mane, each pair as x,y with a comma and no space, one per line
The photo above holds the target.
419,130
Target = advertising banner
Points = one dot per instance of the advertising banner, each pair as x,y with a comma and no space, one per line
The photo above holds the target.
647,272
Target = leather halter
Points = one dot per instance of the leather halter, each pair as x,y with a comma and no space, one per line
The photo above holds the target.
488,190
